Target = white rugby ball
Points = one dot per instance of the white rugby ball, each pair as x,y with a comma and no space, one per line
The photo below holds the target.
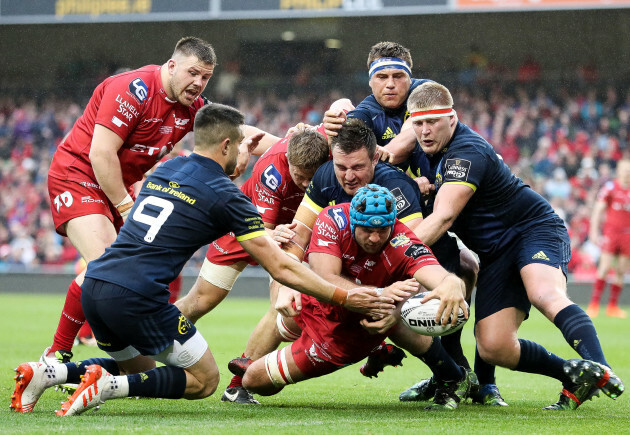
421,317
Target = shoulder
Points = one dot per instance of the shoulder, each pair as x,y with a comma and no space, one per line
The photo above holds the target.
337,215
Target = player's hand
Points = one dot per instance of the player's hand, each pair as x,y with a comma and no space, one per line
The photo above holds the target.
451,293
288,302
402,290
245,149
426,188
384,155
380,326
332,122
300,126
284,233
367,301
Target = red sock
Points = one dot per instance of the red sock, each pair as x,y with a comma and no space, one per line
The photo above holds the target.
85,330
72,318
615,292
598,289
175,288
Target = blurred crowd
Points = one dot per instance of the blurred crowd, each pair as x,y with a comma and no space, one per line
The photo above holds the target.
564,141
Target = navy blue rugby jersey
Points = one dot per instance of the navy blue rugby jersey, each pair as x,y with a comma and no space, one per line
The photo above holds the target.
385,123
185,204
325,190
502,205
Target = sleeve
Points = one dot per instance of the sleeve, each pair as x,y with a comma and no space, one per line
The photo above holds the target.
268,183
410,253
326,236
464,167
605,193
363,113
408,197
241,216
121,105
314,197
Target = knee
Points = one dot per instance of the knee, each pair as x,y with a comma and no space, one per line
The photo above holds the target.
205,386
498,350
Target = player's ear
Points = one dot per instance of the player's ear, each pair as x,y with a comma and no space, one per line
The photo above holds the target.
171,65
225,146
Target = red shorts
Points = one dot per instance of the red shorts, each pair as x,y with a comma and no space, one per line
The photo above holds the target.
226,251
616,244
71,199
310,358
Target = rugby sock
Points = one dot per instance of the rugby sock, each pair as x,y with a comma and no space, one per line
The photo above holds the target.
615,292
164,382
72,318
237,381
118,387
77,369
452,343
578,330
440,363
536,359
85,331
483,370
598,289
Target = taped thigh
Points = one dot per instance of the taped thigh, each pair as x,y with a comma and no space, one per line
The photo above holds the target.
286,333
277,367
219,275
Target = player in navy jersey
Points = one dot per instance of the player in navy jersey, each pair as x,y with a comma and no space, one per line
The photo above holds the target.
523,247
186,203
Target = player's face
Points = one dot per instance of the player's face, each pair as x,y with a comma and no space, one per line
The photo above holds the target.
371,240
353,170
232,159
301,177
188,78
390,87
435,133
623,172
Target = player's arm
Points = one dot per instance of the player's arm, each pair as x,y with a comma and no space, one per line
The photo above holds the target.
449,202
265,143
445,286
402,145
294,238
297,276
106,166
596,221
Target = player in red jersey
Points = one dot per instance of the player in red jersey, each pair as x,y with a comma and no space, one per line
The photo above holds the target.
613,202
132,120
361,242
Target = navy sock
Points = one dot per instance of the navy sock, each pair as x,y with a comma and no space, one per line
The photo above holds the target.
536,359
164,382
578,330
440,363
452,343
484,370
77,369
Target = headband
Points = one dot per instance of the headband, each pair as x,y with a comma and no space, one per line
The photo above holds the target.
432,113
389,62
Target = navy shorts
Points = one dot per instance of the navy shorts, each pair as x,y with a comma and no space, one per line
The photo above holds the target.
446,251
121,318
500,285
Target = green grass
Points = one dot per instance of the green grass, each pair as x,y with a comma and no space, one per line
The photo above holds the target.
344,402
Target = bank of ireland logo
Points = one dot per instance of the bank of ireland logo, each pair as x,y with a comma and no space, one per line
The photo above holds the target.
139,89
271,177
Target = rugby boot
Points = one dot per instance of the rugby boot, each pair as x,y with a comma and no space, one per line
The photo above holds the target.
421,392
592,310
586,372
31,380
572,397
384,355
489,395
238,366
59,356
238,395
615,311
89,393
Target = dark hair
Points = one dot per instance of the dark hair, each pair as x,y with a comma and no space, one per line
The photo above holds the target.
389,49
192,46
215,122
353,136
308,150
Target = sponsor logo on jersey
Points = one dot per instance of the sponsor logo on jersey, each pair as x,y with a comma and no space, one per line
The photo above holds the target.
169,190
327,231
149,150
263,195
89,199
369,264
339,217
540,255
456,170
325,243
118,122
271,177
399,240
89,184
126,110
416,251
139,89
401,202
181,122
153,120
174,184
389,134
262,210
166,129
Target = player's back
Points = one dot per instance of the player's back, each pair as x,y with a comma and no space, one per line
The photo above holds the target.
185,204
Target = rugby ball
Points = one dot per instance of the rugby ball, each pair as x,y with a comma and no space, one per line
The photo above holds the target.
421,317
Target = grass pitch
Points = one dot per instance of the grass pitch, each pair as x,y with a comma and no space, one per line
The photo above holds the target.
343,402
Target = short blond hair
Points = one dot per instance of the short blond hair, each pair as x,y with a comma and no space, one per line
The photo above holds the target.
429,96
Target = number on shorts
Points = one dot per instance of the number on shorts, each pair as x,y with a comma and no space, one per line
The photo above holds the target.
154,222
65,198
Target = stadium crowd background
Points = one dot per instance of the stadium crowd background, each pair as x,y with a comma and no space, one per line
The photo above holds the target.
562,136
